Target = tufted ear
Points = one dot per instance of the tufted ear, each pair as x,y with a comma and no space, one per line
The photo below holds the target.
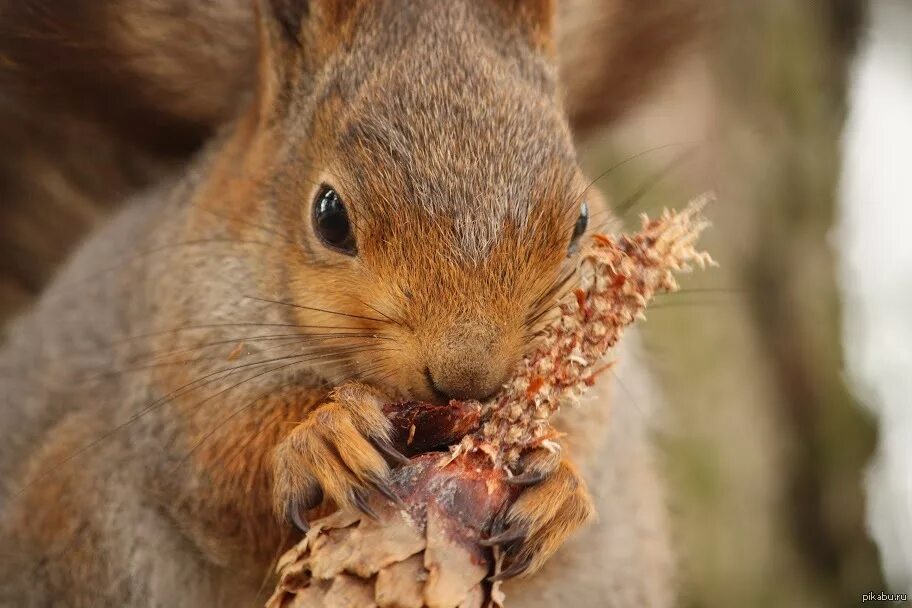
283,19
291,17
295,38
536,17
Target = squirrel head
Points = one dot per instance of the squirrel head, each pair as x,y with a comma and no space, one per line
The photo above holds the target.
419,157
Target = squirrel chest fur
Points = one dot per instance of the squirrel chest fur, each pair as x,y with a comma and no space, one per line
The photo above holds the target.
392,207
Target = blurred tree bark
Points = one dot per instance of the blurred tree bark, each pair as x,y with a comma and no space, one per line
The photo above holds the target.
766,448
792,293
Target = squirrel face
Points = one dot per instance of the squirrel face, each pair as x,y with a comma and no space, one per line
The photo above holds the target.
418,153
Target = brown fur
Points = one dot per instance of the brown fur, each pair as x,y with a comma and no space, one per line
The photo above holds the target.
192,334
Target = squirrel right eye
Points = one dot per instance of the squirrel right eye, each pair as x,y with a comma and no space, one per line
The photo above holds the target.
579,229
331,223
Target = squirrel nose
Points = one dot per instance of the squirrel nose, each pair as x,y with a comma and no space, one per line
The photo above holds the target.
471,365
463,382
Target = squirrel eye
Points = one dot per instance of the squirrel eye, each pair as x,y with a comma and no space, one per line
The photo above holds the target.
330,221
582,222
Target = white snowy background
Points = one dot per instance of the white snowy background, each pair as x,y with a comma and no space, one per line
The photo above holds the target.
874,245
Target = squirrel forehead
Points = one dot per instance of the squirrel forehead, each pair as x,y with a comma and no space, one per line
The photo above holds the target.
445,147
450,126
461,160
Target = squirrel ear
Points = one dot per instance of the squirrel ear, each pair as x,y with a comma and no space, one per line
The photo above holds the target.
291,17
295,37
537,16
284,17
276,37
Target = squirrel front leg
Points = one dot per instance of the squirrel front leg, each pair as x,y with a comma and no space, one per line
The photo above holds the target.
339,452
555,503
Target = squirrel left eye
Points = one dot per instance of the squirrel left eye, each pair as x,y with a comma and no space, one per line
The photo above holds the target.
582,222
331,223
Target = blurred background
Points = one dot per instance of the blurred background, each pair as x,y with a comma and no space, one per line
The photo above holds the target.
763,446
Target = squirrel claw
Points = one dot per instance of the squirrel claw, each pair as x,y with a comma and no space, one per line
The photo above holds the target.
387,491
499,523
386,448
517,568
536,466
528,478
510,535
299,521
359,500
545,514
297,506
331,453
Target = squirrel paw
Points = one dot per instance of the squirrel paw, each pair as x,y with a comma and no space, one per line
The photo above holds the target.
554,505
339,451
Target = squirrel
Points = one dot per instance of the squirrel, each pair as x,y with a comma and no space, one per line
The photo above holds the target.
384,216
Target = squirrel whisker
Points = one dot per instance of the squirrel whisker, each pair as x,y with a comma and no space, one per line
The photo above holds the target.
381,313
67,287
231,218
320,341
186,389
118,342
669,305
268,338
545,302
710,290
630,159
302,307
270,391
652,181
179,392
294,340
